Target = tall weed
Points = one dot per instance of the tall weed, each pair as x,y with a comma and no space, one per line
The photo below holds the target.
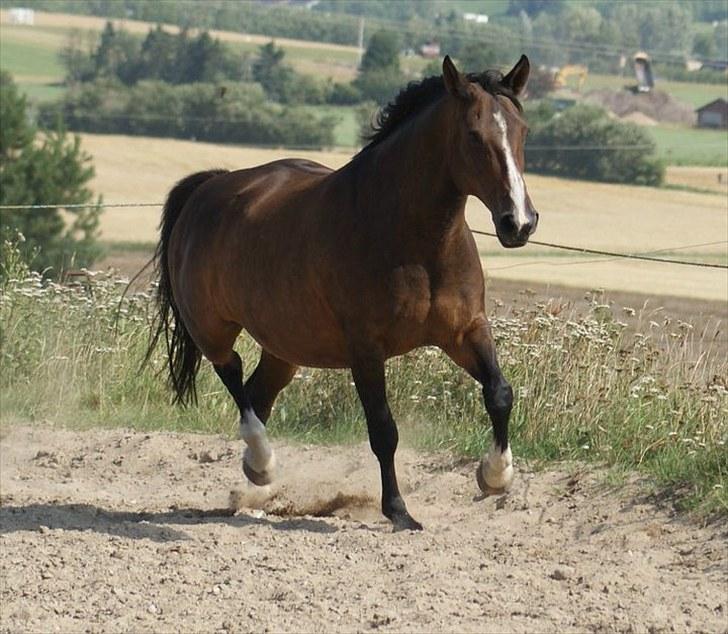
587,386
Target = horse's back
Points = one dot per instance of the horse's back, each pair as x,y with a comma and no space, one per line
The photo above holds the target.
278,180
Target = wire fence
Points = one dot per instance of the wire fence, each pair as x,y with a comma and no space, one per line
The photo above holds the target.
627,256
647,257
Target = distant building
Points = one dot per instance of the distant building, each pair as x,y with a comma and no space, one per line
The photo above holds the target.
715,64
21,15
713,114
430,50
693,64
478,18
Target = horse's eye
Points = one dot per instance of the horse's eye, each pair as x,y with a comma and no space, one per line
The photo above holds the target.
474,136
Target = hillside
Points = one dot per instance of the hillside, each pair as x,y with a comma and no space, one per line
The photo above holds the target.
31,54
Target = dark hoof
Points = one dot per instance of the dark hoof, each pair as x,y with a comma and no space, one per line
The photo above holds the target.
259,479
404,522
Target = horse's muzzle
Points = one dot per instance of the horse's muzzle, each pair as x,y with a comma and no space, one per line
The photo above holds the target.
513,234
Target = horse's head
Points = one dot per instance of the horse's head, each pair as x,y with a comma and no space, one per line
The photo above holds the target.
488,134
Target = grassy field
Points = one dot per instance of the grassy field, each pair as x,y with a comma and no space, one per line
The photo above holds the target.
586,388
33,61
690,146
596,215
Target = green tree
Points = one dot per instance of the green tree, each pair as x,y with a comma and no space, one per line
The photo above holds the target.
117,54
704,45
534,7
270,71
382,53
626,152
205,59
379,85
158,57
76,57
41,168
379,74
479,56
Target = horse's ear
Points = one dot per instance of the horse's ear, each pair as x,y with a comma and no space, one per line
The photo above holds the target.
455,83
517,78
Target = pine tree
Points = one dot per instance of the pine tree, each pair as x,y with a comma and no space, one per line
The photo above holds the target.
40,168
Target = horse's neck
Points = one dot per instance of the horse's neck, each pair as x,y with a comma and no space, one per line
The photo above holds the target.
408,182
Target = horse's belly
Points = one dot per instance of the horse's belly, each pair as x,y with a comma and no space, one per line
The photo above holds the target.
300,339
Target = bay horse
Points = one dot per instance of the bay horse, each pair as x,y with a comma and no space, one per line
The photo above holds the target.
347,268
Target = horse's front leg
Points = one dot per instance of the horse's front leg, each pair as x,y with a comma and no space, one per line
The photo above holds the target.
370,384
476,354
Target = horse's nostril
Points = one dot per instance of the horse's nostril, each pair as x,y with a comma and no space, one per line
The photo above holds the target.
508,224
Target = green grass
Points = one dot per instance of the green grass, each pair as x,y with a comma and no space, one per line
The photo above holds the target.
586,390
37,93
29,59
35,64
690,146
346,132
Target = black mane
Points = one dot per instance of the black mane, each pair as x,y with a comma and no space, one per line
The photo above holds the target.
419,94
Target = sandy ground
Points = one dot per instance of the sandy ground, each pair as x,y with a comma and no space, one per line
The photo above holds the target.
122,531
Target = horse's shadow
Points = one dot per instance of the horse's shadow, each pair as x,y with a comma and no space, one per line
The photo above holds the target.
158,526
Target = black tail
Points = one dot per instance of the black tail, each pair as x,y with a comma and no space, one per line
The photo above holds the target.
183,357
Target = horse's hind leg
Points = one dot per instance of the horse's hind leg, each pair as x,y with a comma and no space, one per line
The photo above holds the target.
269,378
258,458
476,354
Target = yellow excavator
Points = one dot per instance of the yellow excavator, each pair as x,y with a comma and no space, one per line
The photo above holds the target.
571,70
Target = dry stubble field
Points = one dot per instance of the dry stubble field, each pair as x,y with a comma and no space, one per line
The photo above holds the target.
595,215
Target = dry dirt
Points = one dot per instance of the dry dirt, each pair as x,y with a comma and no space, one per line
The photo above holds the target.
122,531
656,104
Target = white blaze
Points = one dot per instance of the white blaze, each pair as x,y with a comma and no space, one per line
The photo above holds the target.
515,180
